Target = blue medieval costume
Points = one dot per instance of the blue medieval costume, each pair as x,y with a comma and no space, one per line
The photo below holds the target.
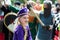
20,33
43,34
47,18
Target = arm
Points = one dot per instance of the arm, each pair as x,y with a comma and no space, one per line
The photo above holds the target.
36,15
18,35
29,35
51,26
13,8
15,36
10,7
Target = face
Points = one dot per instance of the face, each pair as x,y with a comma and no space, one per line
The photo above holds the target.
45,6
24,19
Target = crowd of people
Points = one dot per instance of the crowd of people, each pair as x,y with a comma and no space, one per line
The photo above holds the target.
34,21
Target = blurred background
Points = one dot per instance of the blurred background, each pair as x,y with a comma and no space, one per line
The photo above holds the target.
11,7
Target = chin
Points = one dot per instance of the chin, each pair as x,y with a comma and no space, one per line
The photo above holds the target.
26,24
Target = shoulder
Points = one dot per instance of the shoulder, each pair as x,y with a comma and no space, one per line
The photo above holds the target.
18,28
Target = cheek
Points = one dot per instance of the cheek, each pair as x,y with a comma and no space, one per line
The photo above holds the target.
28,19
22,20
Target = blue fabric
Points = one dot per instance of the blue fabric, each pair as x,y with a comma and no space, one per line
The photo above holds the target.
43,34
19,33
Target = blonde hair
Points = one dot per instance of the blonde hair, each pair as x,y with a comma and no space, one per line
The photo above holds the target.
15,26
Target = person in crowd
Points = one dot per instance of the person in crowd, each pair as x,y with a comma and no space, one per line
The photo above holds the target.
56,19
45,32
22,31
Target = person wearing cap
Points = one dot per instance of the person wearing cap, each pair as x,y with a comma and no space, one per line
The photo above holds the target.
22,31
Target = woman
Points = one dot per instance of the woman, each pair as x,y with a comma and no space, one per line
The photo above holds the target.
45,32
22,31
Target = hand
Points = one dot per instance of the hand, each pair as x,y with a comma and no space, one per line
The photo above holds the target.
46,27
51,27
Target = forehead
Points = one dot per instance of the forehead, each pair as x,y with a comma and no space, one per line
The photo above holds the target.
25,15
45,4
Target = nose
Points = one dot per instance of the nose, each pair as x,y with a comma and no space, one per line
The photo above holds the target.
27,19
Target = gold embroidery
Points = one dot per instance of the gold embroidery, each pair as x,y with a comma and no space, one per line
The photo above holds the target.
26,33
25,36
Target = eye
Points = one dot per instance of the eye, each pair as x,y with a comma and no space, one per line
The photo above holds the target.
24,17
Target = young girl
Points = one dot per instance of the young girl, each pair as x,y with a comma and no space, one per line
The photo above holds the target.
22,31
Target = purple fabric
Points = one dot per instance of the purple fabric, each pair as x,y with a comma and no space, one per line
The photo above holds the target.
19,33
23,11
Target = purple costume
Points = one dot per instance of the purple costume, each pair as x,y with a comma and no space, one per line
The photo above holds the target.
19,33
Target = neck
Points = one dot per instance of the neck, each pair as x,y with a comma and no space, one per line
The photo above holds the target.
24,25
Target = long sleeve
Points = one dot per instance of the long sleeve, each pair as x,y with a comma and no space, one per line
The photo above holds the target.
19,34
29,35
15,36
13,8
9,8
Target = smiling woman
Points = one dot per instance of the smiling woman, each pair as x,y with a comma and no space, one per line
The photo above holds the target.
22,30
